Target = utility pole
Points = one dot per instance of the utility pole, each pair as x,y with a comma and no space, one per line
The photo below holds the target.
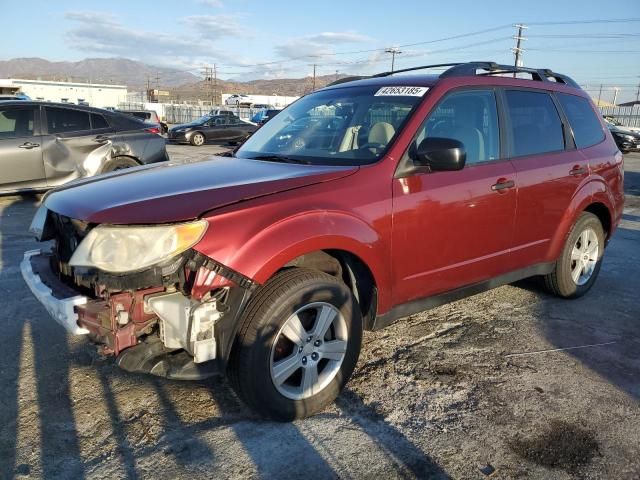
215,84
517,51
314,77
615,95
638,93
336,75
393,51
599,95
148,88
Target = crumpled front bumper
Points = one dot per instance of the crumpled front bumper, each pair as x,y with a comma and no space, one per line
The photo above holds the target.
59,300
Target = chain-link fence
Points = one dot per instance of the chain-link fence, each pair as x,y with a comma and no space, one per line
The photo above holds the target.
627,116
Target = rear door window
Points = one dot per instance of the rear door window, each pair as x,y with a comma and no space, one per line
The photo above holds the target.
16,122
62,120
587,130
535,125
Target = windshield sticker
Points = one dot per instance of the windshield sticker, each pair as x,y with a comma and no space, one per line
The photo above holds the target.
401,91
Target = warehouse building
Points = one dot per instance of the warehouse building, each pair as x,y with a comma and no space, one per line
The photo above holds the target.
96,95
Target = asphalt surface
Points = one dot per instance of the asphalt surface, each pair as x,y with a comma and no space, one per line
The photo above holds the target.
511,383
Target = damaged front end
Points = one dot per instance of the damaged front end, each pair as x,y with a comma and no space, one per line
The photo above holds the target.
174,317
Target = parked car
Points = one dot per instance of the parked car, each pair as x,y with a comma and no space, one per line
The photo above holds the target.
612,121
626,140
220,111
263,116
221,128
269,265
43,145
148,116
239,100
18,96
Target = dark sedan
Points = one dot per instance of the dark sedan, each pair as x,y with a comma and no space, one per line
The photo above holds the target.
43,145
219,128
626,140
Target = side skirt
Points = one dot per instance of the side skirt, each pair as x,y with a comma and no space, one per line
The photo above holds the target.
427,303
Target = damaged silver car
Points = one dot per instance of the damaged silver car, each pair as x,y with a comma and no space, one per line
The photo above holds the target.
43,145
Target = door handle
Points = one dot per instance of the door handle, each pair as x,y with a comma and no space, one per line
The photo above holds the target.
577,170
101,139
29,145
503,184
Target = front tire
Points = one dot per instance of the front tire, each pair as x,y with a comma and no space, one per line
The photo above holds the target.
197,139
576,270
297,346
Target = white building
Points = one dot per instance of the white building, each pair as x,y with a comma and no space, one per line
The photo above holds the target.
96,95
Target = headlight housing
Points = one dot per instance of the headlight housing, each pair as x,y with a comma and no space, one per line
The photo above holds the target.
629,138
120,249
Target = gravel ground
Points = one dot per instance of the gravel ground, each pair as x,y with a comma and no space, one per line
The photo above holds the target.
472,389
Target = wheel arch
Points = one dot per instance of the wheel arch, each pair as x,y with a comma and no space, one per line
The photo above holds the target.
349,268
593,197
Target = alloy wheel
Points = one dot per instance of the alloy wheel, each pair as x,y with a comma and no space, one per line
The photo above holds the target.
584,256
308,351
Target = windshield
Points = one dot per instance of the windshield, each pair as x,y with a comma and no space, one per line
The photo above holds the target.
343,126
200,121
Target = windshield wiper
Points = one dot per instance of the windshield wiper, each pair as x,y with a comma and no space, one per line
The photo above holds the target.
280,158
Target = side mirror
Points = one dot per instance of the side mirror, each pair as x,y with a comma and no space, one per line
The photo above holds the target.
440,154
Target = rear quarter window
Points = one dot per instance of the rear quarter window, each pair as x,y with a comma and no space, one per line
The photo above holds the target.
98,121
587,130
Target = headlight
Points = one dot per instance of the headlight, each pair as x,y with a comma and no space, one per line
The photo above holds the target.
629,138
120,249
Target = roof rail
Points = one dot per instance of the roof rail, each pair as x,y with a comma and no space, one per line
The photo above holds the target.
471,69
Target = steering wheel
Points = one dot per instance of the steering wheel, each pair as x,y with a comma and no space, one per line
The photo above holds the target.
298,144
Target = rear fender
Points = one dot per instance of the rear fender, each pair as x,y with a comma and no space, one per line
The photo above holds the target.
594,191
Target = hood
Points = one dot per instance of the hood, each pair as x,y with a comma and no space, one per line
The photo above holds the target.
178,191
624,131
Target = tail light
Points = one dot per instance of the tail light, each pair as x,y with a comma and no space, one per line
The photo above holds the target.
155,130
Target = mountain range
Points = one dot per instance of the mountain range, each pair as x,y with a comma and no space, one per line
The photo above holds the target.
136,75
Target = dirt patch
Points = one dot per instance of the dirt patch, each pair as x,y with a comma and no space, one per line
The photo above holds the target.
561,445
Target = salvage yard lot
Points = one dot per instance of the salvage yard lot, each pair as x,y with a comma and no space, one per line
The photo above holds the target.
460,391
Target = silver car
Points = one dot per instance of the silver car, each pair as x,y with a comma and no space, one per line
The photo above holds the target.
43,145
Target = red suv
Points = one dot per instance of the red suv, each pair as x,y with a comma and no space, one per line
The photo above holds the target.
359,204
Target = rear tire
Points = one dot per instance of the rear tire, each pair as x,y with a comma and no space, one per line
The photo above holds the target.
284,379
119,163
576,270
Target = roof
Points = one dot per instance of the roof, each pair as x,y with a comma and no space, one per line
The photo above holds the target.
22,81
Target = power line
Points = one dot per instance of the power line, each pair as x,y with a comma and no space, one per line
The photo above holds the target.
584,22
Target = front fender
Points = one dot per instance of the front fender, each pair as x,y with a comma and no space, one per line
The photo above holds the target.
261,251
594,191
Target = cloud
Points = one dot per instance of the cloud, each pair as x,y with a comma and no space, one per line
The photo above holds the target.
213,27
102,33
302,48
318,45
338,37
211,3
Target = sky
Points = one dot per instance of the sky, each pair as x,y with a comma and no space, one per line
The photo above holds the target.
248,39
